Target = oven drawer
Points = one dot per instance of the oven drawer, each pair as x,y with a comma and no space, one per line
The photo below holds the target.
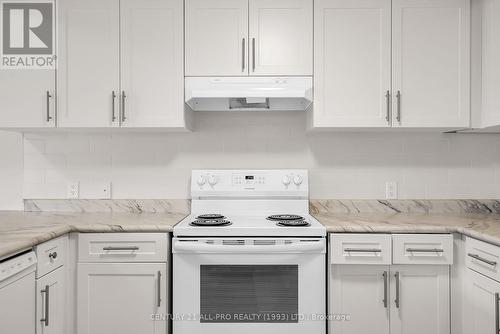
483,258
51,255
360,248
422,248
122,247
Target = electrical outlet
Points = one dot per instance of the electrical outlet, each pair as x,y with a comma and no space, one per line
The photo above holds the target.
73,190
391,190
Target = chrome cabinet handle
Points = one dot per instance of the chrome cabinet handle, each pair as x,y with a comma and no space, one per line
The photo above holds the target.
479,258
397,301
158,299
243,47
123,106
388,111
253,54
47,100
425,250
497,315
363,250
113,98
45,319
131,248
398,116
384,275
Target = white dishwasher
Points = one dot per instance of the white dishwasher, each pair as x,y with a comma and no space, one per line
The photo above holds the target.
17,294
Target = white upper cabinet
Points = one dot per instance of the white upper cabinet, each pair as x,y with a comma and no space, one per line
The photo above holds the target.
248,37
490,63
216,37
281,37
27,98
431,63
88,73
126,68
152,63
352,56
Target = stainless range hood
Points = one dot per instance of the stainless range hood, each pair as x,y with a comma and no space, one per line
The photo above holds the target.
248,93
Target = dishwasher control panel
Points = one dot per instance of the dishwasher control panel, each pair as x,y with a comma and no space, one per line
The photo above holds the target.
12,266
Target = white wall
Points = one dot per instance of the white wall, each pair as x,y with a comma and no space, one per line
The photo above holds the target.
342,164
11,171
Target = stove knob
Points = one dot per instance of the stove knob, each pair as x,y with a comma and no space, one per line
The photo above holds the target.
297,179
286,180
201,180
212,180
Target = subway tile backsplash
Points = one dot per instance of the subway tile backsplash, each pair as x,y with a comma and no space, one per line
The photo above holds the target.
342,165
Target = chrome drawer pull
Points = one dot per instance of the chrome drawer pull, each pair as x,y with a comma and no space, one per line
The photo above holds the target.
497,315
363,250
425,250
45,319
479,258
158,299
132,248
385,276
397,300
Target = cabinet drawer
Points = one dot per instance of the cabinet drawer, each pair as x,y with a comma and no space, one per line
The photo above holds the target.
122,247
360,248
422,248
51,255
483,258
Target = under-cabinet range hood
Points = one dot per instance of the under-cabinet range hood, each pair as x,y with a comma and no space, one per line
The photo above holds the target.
248,93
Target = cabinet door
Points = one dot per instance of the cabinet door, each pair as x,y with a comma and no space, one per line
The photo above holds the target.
431,63
152,63
121,298
27,98
352,76
281,37
491,62
480,304
88,72
420,299
216,37
50,291
359,291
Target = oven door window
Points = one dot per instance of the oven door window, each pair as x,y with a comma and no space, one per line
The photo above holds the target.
249,293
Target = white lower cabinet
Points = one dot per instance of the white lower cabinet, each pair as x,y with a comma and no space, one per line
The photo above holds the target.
121,298
358,291
481,304
388,298
50,308
420,299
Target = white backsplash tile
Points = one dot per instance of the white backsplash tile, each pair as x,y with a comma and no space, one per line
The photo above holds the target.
342,165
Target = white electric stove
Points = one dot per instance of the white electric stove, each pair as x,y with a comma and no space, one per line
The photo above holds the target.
249,257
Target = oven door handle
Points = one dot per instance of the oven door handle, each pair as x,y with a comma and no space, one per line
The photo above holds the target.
313,246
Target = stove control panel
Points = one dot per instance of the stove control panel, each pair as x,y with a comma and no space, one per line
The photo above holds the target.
249,182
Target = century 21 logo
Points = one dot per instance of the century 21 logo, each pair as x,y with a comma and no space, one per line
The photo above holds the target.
27,28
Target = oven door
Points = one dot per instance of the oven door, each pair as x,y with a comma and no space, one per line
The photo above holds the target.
248,286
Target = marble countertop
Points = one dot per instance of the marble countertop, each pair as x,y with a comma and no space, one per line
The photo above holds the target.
485,227
22,230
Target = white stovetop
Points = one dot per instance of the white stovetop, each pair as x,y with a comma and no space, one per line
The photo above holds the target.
249,226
